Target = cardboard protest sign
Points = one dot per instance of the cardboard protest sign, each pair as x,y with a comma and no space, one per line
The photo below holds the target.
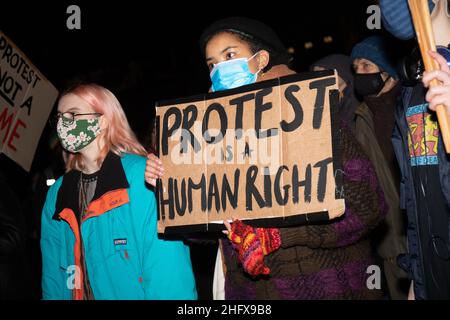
26,100
268,150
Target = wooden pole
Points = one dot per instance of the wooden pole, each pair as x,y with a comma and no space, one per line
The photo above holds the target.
422,24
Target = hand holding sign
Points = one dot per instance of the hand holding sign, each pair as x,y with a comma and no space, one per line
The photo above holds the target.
153,169
252,245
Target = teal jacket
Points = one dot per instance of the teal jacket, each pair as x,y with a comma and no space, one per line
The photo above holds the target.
124,257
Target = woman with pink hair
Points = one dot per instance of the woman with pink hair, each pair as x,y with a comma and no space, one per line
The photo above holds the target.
99,237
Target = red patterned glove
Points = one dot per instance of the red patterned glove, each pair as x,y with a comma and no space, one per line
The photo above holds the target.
269,238
251,251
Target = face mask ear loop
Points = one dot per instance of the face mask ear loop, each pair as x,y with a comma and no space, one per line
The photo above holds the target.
253,56
259,70
387,79
384,81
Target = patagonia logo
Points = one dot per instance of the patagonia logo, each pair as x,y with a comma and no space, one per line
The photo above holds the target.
120,241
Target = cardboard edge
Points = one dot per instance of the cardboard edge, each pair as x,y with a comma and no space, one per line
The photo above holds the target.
278,222
336,145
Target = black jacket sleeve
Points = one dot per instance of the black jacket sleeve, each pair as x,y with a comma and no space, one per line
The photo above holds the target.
12,233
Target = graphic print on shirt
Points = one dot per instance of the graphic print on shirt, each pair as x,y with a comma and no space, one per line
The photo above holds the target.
423,147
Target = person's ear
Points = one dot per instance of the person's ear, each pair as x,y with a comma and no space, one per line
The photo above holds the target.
263,59
103,123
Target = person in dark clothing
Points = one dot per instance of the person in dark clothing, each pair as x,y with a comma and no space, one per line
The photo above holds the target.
376,81
314,261
418,137
425,168
440,259
12,245
424,165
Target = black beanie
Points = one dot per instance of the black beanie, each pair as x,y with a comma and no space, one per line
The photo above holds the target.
250,28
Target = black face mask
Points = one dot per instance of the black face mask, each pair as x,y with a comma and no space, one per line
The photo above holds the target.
367,84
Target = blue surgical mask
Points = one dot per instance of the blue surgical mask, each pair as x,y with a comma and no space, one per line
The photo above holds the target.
232,74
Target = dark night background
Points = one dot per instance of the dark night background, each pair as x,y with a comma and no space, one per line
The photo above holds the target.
144,53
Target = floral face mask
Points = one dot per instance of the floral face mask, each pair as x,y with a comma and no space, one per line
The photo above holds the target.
77,134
